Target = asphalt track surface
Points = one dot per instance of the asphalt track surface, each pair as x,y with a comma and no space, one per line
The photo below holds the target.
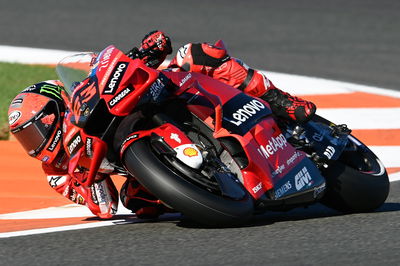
355,41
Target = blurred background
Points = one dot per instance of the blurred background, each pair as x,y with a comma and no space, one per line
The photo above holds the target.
351,40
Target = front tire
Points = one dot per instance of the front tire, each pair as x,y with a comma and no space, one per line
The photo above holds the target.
193,201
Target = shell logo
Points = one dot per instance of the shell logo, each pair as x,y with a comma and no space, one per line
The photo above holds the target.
190,152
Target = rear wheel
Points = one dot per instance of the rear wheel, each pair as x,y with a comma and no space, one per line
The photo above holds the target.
192,193
357,182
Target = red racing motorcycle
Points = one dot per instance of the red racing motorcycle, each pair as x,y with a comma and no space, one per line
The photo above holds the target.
206,149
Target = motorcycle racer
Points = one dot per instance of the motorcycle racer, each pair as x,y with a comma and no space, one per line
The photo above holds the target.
36,118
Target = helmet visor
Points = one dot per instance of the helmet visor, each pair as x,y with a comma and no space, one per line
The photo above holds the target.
34,134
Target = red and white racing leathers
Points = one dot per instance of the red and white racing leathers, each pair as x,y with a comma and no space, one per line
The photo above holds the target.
214,61
101,197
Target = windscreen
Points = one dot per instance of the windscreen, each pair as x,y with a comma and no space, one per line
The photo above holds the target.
73,69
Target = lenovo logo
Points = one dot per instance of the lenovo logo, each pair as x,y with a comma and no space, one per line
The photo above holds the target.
75,144
55,141
246,111
116,78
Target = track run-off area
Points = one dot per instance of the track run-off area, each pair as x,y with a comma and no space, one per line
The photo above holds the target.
29,206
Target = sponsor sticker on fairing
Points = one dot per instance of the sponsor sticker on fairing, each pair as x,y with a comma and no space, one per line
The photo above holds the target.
134,136
185,79
246,111
302,179
190,155
318,190
242,113
116,77
120,96
279,170
283,189
318,137
190,152
274,144
293,158
75,143
329,152
105,60
257,188
156,89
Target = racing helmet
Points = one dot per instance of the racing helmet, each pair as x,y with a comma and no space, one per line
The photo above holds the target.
35,117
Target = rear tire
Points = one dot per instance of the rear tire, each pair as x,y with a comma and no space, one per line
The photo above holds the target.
358,182
193,201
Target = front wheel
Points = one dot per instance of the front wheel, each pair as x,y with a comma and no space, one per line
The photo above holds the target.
201,204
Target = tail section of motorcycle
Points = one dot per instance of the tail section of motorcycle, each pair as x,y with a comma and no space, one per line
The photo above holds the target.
357,181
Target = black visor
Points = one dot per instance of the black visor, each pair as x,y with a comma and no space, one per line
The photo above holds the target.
34,134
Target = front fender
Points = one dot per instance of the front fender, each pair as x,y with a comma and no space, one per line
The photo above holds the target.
168,138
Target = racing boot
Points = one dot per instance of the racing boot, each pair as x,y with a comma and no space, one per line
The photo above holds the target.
140,201
289,107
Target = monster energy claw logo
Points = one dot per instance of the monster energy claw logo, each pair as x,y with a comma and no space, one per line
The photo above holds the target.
53,90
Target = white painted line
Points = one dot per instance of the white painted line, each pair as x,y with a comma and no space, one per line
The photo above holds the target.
303,85
128,220
389,155
363,118
66,211
28,55
58,229
394,177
